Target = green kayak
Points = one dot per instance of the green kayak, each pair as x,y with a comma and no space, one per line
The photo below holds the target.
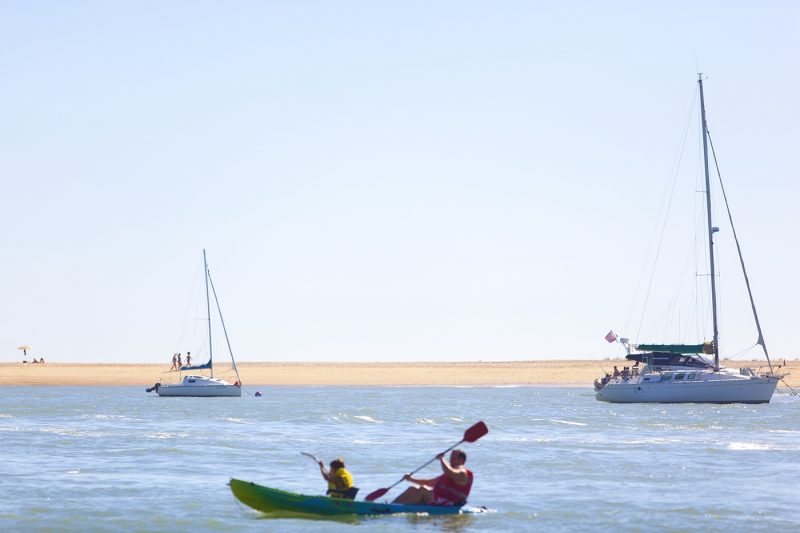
269,500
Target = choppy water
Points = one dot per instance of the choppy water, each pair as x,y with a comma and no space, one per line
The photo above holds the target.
117,459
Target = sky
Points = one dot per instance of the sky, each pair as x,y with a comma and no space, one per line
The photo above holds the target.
391,181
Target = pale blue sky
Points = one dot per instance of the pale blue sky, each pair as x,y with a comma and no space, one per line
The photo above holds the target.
385,181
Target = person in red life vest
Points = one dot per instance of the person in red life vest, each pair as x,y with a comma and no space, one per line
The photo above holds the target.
451,488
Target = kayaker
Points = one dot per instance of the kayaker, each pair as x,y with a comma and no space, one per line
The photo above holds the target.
451,488
340,481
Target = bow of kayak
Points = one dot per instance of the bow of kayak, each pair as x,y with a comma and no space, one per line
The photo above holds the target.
269,500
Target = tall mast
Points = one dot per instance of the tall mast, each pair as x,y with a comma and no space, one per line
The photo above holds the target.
208,306
711,228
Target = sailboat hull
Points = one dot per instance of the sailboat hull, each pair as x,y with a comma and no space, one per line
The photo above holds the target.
204,392
750,390
200,387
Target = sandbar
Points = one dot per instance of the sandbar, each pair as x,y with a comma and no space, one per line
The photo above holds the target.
578,373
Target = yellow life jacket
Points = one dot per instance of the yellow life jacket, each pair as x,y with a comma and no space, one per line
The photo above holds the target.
346,480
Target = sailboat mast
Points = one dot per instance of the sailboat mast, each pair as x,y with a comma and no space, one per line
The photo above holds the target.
711,228
208,315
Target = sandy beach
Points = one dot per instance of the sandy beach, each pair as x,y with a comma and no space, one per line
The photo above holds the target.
552,373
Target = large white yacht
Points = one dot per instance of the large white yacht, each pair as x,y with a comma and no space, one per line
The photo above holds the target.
691,373
681,373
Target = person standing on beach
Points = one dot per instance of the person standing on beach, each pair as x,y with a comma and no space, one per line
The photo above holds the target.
188,358
174,362
180,364
339,479
451,488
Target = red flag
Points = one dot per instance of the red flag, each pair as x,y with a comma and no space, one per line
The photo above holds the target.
611,336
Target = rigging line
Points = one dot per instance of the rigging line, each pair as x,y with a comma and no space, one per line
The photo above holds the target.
673,302
739,354
794,392
702,290
741,257
224,330
706,312
676,169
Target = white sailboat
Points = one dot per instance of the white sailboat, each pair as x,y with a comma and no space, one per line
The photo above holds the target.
683,373
200,385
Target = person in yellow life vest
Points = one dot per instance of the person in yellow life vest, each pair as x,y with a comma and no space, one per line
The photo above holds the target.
340,481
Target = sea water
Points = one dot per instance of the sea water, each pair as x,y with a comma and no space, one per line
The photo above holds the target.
555,459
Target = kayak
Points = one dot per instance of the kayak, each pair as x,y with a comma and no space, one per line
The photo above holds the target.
268,500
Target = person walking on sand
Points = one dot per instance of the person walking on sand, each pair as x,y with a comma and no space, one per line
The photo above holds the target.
340,482
188,358
451,488
180,364
174,362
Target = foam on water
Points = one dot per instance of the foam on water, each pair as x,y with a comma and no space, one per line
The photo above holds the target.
565,422
748,446
367,419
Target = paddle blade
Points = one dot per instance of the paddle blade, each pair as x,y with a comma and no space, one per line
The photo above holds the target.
475,432
374,495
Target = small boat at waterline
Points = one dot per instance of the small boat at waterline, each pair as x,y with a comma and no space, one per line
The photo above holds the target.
198,385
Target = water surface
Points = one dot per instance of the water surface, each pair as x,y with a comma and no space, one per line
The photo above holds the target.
117,459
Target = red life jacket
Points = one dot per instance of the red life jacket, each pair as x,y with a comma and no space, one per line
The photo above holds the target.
448,492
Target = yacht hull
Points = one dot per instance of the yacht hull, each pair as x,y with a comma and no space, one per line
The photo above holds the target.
750,390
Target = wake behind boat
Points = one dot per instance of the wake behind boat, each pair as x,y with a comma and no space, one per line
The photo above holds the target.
197,385
269,500
681,373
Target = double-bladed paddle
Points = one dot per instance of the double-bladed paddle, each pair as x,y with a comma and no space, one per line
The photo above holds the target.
470,435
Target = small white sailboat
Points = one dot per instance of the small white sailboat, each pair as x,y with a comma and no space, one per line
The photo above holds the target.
683,373
197,385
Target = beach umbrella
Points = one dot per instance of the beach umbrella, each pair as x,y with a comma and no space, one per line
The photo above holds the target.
24,349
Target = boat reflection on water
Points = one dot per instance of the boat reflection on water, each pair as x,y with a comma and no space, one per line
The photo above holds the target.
293,515
454,523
